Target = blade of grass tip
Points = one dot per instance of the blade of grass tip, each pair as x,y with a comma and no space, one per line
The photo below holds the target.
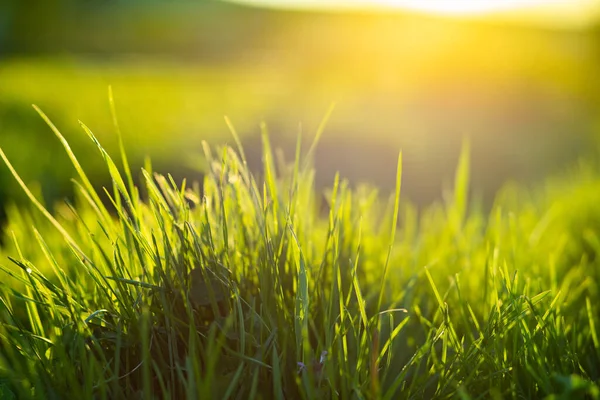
461,182
124,160
112,167
148,165
75,162
270,175
434,288
39,205
224,229
393,233
237,140
130,224
318,135
294,185
249,179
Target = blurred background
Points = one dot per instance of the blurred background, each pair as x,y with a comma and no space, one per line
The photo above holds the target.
520,79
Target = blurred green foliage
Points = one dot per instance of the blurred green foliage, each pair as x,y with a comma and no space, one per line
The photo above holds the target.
526,97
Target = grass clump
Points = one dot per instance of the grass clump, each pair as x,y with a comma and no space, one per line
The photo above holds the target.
246,289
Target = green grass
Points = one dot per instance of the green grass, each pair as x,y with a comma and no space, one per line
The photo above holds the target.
248,290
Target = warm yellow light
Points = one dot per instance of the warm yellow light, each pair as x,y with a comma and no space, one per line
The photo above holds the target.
568,13
458,6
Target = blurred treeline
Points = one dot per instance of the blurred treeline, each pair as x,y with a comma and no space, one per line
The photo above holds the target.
527,97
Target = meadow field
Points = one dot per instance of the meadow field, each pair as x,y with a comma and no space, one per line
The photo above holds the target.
249,289
216,201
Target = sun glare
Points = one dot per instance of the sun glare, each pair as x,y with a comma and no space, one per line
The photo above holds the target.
573,13
458,6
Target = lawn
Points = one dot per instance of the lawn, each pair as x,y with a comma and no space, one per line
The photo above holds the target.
258,286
